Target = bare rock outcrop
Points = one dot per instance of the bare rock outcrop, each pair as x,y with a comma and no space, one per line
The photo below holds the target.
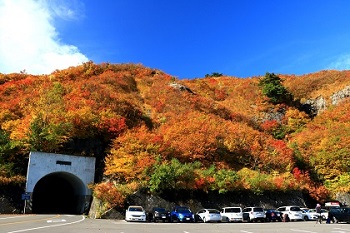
315,106
339,96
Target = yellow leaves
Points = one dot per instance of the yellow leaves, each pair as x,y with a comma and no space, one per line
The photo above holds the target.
120,165
18,129
126,167
131,155
83,120
296,119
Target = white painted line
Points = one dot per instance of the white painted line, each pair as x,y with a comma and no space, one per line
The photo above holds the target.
57,225
246,231
56,220
21,216
298,230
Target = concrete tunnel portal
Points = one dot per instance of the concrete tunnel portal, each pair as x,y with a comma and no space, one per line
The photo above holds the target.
58,184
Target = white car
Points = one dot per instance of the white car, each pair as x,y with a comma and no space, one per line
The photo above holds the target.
294,212
232,214
135,213
311,214
254,214
209,215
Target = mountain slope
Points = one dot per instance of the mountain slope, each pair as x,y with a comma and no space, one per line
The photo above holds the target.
149,129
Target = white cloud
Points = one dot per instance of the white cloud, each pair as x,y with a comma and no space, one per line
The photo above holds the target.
340,63
29,40
66,9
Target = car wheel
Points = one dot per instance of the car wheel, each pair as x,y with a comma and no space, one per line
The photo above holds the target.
248,219
204,220
306,218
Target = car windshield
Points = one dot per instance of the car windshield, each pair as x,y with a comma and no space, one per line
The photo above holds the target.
135,209
183,210
258,209
214,212
159,209
233,210
295,208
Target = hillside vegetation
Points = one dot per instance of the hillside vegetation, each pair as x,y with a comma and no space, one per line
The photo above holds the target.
150,130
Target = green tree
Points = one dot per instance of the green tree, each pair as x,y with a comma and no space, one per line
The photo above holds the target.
173,175
272,87
214,74
47,136
5,148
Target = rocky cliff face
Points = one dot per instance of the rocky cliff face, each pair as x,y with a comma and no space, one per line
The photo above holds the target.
196,200
315,106
339,96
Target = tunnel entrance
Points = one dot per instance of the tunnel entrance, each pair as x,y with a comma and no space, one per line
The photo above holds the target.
58,193
58,183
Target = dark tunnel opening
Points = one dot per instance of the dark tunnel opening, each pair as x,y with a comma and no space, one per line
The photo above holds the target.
57,193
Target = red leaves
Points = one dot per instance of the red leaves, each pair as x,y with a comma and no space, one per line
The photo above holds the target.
113,126
108,193
269,125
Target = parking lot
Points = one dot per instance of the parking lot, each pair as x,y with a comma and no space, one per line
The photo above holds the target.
79,224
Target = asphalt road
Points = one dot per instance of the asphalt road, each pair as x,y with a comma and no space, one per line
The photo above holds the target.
80,224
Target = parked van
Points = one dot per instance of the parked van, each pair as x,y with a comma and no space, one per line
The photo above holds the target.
232,214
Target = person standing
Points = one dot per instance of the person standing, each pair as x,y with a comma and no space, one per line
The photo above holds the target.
319,211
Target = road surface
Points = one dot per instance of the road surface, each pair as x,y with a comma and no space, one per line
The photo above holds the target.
81,224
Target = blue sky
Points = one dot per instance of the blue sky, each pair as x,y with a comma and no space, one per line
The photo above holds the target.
184,38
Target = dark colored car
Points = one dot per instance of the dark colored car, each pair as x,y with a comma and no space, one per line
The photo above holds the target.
339,214
273,215
159,214
182,214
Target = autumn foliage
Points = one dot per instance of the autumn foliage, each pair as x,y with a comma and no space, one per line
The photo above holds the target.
158,132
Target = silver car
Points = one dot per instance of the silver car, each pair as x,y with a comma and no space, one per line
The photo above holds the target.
209,215
254,214
293,213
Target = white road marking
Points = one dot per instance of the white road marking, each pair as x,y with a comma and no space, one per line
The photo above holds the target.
56,220
246,231
56,225
298,230
13,217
